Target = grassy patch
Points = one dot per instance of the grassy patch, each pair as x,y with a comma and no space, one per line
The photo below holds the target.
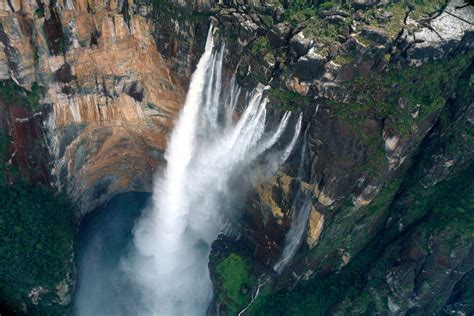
288,100
236,282
345,59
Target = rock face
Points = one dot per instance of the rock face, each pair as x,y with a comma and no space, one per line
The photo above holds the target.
112,98
366,123
444,34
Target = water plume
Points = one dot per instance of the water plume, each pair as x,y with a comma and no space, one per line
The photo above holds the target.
209,151
301,208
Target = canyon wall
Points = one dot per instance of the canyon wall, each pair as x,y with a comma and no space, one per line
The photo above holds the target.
108,99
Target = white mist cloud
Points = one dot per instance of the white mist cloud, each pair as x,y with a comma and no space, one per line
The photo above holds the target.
207,150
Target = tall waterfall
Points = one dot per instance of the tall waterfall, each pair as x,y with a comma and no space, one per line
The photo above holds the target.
209,151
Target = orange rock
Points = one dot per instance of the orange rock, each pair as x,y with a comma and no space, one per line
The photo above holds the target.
121,99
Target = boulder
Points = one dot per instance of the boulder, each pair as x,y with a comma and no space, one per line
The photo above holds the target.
300,45
364,4
444,33
275,40
279,34
375,34
335,19
310,66
282,29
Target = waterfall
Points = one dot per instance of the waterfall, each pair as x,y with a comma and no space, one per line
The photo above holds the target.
301,209
209,151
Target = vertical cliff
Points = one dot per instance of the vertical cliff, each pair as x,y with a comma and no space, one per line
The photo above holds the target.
384,78
86,103
108,99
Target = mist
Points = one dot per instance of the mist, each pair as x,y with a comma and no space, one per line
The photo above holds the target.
211,161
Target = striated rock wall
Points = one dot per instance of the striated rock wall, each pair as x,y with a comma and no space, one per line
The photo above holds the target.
110,96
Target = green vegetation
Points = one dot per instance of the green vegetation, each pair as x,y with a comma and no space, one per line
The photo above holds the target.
423,91
261,46
39,13
424,8
125,12
402,99
345,59
327,5
11,93
288,100
36,233
398,10
356,115
449,210
452,203
267,20
315,297
4,141
299,11
324,31
36,228
236,281
444,211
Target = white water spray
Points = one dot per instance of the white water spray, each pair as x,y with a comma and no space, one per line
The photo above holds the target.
207,153
299,220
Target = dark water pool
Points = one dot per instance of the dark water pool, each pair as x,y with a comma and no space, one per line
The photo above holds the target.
105,237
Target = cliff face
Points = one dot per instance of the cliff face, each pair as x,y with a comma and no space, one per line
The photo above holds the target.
110,98
376,81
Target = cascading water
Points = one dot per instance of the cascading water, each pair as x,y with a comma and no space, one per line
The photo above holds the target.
207,152
301,208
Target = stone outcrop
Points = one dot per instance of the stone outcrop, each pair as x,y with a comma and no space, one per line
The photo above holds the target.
438,36
316,223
